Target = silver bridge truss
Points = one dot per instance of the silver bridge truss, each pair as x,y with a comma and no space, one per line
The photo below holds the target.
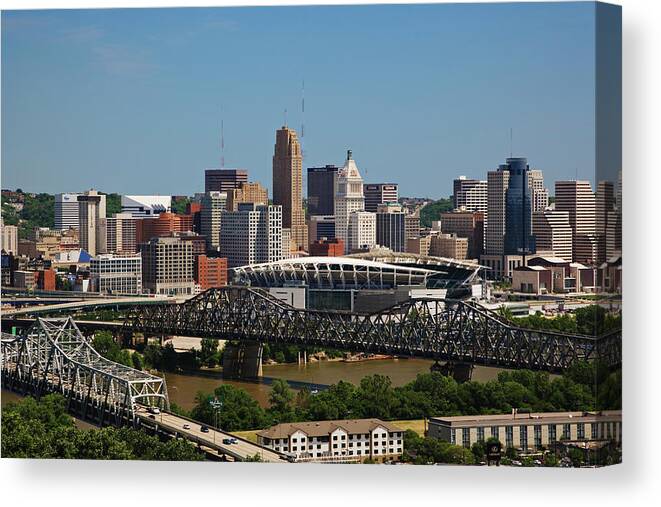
53,356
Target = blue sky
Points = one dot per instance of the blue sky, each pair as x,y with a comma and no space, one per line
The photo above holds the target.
130,101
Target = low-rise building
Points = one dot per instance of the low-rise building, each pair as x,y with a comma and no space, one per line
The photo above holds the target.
210,272
448,245
349,440
529,431
327,248
111,274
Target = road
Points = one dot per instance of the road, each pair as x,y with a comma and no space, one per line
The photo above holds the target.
91,303
213,439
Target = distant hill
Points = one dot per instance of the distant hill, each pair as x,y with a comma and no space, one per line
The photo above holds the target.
433,210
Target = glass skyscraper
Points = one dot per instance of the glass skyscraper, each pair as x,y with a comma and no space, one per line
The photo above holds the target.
518,209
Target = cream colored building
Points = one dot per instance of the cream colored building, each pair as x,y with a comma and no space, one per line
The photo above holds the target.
349,198
351,440
91,208
448,245
361,232
529,431
553,233
9,238
247,192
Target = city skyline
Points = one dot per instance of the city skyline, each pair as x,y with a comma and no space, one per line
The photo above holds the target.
445,129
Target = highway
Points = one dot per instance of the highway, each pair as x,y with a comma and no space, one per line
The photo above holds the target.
213,439
89,303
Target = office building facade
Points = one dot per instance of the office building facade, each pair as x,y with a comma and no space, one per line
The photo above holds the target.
167,266
379,193
66,211
518,209
224,180
349,198
577,199
146,206
210,272
361,231
288,184
91,208
321,190
553,233
247,192
112,274
214,205
470,194
321,226
391,226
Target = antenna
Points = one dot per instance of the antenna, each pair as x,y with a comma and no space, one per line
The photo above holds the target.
303,109
285,116
511,135
222,140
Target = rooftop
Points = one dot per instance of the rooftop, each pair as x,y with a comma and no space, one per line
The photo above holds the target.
533,417
322,428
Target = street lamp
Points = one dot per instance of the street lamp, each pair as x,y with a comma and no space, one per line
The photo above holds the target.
216,405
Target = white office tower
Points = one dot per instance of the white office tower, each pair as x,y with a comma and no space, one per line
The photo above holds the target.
91,208
212,208
146,206
66,211
553,232
540,195
361,231
470,194
111,274
577,198
349,197
251,235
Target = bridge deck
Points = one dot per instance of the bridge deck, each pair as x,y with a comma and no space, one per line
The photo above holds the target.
242,450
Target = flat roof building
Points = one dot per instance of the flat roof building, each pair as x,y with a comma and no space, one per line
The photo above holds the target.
167,266
112,274
321,190
379,193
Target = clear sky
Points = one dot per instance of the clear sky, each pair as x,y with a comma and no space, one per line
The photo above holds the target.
129,101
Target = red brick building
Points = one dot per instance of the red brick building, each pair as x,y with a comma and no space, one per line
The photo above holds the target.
327,248
46,279
162,225
210,272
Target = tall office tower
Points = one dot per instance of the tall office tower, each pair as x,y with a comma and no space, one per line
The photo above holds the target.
576,198
146,206
540,195
9,236
614,234
252,235
119,234
494,237
470,194
391,227
518,209
288,184
91,208
167,266
349,197
604,204
321,190
66,211
553,233
247,192
214,205
466,224
224,180
379,193
361,231
321,226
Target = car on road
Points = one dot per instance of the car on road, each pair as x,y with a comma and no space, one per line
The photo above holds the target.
227,441
186,426
154,410
204,429
234,440
152,416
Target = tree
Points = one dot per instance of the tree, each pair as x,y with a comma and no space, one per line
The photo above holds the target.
138,363
376,397
280,400
432,211
209,352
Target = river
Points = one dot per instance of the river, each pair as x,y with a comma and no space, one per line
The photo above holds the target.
183,388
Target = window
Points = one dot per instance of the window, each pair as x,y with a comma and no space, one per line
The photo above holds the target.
494,431
538,436
480,434
523,436
566,431
509,436
466,440
593,431
553,436
580,431
334,446
453,437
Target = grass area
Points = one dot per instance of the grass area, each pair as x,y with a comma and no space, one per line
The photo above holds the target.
248,435
417,425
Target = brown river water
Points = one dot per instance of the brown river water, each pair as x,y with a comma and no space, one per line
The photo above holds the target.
183,388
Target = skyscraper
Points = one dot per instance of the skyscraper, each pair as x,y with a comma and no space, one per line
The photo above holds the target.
604,205
224,180
91,208
252,235
214,204
66,211
247,192
390,227
540,195
361,231
518,209
321,190
379,193
288,184
470,194
553,233
494,237
349,197
576,198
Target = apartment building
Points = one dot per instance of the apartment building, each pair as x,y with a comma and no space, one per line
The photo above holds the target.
529,431
340,440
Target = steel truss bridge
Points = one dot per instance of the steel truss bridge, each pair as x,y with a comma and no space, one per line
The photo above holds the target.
453,331
54,357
